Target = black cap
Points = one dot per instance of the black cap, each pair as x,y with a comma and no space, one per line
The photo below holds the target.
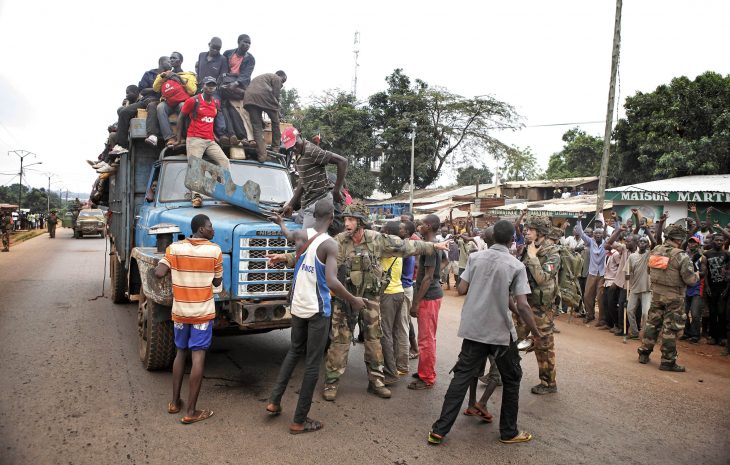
209,80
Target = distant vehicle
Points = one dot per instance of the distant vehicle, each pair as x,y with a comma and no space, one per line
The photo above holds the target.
91,221
68,220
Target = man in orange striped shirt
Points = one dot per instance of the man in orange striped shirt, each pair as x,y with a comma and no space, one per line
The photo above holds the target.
197,267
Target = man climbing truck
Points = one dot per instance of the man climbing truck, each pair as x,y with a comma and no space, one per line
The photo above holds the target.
144,219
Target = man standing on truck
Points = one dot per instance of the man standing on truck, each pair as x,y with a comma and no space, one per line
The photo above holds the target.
202,110
311,162
197,267
315,274
263,96
240,67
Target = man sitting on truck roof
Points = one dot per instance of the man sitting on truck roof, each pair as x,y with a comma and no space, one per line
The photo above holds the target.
176,86
202,110
149,99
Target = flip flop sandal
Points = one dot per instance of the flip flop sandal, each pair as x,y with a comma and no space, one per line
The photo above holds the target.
172,408
309,426
522,436
435,439
275,412
203,415
476,412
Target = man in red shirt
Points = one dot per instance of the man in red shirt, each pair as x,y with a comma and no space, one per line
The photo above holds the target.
202,110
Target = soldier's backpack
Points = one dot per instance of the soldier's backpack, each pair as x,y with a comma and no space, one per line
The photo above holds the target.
571,264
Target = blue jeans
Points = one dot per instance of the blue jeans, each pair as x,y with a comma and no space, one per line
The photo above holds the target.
163,118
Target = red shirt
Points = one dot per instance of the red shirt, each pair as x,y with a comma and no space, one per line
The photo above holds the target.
174,92
201,124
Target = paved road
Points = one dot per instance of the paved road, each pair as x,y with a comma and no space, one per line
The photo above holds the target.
74,392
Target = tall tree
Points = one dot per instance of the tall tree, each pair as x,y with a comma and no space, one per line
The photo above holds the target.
471,175
520,165
581,156
289,101
446,125
680,129
346,129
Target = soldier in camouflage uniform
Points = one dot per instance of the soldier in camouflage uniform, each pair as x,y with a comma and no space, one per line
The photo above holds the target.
5,228
360,251
671,272
542,260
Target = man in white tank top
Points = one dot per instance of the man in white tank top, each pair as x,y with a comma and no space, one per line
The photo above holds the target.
315,275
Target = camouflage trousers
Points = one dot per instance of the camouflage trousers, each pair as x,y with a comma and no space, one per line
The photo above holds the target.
544,347
341,339
666,316
6,239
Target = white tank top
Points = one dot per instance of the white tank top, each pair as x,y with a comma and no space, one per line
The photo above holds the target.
311,294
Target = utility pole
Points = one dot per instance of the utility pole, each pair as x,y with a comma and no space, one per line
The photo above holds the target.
21,154
615,53
356,52
413,157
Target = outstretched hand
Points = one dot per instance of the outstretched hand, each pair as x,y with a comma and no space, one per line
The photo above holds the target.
276,218
275,258
443,245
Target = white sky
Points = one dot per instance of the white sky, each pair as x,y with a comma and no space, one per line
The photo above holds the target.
65,64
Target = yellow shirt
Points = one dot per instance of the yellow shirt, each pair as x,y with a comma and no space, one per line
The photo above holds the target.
395,286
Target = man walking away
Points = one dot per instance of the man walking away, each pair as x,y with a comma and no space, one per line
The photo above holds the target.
315,275
6,225
52,222
197,267
491,276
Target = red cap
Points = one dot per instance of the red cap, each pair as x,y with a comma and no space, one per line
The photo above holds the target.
289,137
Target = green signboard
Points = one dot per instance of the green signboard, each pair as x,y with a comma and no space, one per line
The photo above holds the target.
646,196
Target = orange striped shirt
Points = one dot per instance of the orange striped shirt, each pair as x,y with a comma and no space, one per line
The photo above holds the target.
194,264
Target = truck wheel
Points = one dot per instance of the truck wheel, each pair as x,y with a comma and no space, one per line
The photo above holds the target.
156,340
119,280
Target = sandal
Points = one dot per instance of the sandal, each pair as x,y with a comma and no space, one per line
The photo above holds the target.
202,415
419,385
435,439
475,411
273,411
309,426
172,408
522,436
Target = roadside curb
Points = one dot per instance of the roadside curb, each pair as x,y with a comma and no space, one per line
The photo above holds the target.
26,235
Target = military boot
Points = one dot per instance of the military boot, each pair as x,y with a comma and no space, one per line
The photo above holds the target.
379,389
541,389
671,367
643,357
330,392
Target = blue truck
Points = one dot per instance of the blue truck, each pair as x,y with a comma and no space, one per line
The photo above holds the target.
150,206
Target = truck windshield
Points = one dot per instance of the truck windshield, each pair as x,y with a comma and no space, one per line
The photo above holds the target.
275,185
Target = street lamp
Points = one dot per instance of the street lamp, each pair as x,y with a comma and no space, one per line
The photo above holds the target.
413,153
22,154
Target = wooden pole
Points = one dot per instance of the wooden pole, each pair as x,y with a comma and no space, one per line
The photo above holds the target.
609,112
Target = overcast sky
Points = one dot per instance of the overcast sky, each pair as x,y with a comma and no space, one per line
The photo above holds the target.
65,64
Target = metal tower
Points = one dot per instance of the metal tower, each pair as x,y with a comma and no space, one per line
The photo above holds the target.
356,52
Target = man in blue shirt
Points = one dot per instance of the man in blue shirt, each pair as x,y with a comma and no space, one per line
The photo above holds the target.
596,269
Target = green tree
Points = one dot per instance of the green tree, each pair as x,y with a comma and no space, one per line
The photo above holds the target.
520,165
679,129
581,156
33,198
289,101
471,175
346,129
447,125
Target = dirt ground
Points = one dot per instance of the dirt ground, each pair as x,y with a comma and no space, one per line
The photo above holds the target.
74,391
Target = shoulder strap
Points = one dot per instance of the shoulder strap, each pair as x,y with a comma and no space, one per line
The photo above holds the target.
194,113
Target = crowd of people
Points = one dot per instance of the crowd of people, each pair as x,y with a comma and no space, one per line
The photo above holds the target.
220,105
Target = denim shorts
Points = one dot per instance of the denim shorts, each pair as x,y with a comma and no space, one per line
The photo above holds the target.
193,337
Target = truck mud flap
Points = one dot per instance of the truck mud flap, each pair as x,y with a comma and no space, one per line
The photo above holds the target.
214,181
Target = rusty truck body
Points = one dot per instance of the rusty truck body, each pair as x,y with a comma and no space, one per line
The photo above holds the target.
150,206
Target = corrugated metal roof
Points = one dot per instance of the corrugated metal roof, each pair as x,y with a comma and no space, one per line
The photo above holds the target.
428,196
705,183
565,182
571,205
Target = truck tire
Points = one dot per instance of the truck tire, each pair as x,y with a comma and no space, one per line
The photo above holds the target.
156,340
118,280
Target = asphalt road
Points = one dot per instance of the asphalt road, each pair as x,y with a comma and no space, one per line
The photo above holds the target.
74,391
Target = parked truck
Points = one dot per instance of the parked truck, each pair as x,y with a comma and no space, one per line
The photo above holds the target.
150,206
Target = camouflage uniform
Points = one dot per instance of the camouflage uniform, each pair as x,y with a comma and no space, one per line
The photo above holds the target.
671,272
542,273
364,278
5,228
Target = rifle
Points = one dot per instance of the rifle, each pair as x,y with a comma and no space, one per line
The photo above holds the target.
351,316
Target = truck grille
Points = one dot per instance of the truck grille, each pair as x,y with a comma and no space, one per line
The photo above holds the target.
256,277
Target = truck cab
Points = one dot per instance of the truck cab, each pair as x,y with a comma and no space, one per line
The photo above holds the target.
148,215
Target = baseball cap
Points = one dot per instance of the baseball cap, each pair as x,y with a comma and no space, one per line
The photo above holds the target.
693,238
209,80
289,137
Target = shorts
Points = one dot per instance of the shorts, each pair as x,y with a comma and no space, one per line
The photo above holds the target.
193,337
